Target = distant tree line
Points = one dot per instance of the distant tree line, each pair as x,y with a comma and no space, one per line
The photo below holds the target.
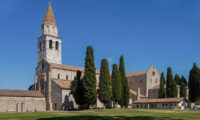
112,87
169,88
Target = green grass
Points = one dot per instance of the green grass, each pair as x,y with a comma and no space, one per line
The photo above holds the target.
112,114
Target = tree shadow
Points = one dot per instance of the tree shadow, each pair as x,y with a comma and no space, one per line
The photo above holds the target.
67,105
107,118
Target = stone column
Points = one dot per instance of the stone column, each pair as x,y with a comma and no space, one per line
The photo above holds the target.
138,93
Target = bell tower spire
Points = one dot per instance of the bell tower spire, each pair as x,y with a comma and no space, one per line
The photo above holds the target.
49,26
49,16
49,44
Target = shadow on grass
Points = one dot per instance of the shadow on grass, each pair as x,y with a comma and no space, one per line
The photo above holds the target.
107,118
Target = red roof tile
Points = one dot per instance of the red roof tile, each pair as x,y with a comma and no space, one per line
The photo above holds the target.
159,100
49,16
64,84
137,73
68,67
20,93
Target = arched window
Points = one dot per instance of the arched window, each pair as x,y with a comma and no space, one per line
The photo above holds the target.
40,46
58,76
44,44
22,107
50,44
17,107
57,45
42,66
67,77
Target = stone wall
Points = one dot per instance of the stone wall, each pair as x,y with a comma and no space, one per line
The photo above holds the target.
49,29
68,101
63,74
56,97
67,74
22,104
49,54
153,78
153,93
136,82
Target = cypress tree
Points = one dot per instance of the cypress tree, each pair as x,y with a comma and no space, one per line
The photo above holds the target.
77,89
124,82
89,83
116,85
104,92
174,90
177,79
194,84
31,87
126,93
171,89
169,82
184,81
183,92
162,92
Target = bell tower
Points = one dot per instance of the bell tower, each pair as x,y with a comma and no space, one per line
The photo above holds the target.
49,44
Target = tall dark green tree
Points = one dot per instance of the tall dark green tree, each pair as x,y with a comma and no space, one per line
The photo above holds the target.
116,85
175,89
77,89
162,91
194,84
89,82
183,90
184,80
31,87
171,88
177,79
124,83
104,92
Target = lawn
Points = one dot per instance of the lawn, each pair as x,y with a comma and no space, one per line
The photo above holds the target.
113,114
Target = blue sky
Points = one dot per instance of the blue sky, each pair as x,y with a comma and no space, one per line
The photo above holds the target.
165,33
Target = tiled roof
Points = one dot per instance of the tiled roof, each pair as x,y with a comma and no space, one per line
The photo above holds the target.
64,84
49,16
158,86
20,93
137,73
68,67
159,100
135,93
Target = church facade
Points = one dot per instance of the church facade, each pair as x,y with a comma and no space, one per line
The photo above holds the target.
53,79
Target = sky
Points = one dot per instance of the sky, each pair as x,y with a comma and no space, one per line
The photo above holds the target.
164,33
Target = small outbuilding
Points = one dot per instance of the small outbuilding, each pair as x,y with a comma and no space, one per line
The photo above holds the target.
160,103
21,101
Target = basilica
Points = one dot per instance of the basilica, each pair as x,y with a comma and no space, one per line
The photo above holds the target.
51,90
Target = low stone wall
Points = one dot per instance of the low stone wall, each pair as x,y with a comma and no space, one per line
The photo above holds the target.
22,104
